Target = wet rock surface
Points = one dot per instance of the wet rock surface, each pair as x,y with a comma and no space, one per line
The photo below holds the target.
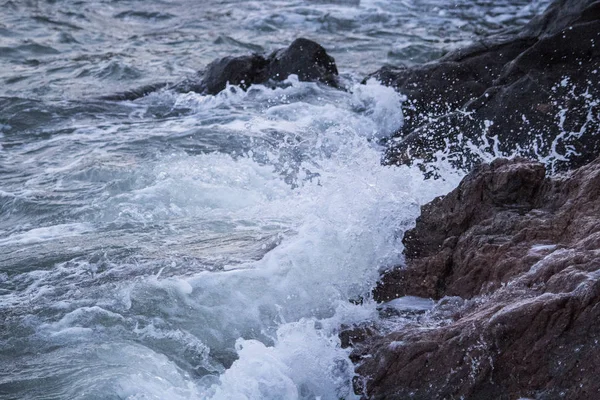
535,91
514,258
304,58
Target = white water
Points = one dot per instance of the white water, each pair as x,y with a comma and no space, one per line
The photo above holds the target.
322,213
347,225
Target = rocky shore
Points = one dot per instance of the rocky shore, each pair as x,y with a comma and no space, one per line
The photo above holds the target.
511,258
499,297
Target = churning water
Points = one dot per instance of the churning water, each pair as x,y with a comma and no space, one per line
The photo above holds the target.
183,246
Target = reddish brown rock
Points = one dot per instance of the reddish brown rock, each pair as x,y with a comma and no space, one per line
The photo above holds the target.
525,251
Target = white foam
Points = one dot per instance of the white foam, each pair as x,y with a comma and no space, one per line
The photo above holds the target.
348,226
313,178
47,233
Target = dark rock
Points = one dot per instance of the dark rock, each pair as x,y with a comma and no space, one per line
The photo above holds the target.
524,250
352,335
303,57
243,71
536,92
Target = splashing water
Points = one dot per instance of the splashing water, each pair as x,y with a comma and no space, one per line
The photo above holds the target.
552,150
220,275
185,246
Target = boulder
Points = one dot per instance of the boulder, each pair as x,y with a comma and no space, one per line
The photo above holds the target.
242,71
303,57
522,253
535,91
453,246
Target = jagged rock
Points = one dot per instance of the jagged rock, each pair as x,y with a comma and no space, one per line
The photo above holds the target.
536,90
303,57
492,198
524,250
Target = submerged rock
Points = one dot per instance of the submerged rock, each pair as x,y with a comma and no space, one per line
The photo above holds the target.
304,58
536,91
523,250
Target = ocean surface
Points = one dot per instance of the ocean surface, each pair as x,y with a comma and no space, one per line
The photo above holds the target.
184,246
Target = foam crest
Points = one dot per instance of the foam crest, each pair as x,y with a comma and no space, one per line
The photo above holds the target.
306,362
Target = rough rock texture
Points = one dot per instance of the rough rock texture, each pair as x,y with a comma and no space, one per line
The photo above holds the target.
303,57
522,253
532,90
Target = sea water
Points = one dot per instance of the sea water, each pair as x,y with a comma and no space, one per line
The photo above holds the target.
184,246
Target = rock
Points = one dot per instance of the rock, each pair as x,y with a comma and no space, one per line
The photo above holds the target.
535,91
242,71
303,57
135,93
523,250
492,197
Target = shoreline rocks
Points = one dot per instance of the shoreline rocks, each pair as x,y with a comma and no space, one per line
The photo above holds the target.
534,92
511,256
514,257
